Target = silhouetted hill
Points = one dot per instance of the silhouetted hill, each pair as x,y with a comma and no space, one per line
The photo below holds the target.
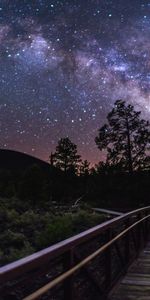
18,161
19,179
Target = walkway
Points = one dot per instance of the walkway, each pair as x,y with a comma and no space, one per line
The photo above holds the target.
136,284
88,265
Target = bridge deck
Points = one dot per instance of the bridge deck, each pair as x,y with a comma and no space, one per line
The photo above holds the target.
136,284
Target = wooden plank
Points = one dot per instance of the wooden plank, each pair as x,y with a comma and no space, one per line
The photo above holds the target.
136,284
45,256
136,281
139,275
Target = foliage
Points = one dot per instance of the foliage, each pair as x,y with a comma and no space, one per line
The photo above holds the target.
22,233
84,168
32,200
106,168
126,138
65,226
66,157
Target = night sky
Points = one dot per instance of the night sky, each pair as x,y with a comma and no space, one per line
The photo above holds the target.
62,66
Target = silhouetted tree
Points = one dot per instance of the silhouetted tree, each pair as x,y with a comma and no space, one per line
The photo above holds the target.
84,168
105,168
51,158
66,157
126,138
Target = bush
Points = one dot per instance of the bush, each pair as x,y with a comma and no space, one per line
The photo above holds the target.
23,234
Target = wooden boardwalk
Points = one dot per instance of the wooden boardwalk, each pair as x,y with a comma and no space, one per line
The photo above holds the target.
89,263
136,284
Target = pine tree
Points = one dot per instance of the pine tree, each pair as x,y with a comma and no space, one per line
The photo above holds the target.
84,168
66,157
126,138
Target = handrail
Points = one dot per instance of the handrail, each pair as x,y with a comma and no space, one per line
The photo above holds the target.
119,238
12,270
71,271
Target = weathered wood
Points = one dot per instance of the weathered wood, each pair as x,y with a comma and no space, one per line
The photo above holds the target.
15,269
68,284
108,263
87,271
136,284
112,248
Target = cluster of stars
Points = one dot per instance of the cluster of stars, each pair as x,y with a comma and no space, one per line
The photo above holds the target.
63,64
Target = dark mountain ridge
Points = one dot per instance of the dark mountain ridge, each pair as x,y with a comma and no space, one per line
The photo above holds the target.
18,161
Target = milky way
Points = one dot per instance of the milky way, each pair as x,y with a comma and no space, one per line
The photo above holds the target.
62,66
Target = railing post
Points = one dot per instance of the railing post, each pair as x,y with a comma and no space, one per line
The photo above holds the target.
127,243
68,283
139,233
108,269
146,229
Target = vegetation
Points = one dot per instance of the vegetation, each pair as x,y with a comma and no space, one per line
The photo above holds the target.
66,157
32,214
85,168
126,138
24,232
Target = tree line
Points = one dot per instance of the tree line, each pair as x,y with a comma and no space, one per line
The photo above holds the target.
32,199
125,138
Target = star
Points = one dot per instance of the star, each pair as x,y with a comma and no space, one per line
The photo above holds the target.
64,64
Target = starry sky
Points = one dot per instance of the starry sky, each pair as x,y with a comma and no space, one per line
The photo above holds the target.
62,66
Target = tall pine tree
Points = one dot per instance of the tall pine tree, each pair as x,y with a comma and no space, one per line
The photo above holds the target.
66,157
126,138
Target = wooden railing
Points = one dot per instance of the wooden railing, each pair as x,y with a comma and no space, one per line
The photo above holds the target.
85,266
